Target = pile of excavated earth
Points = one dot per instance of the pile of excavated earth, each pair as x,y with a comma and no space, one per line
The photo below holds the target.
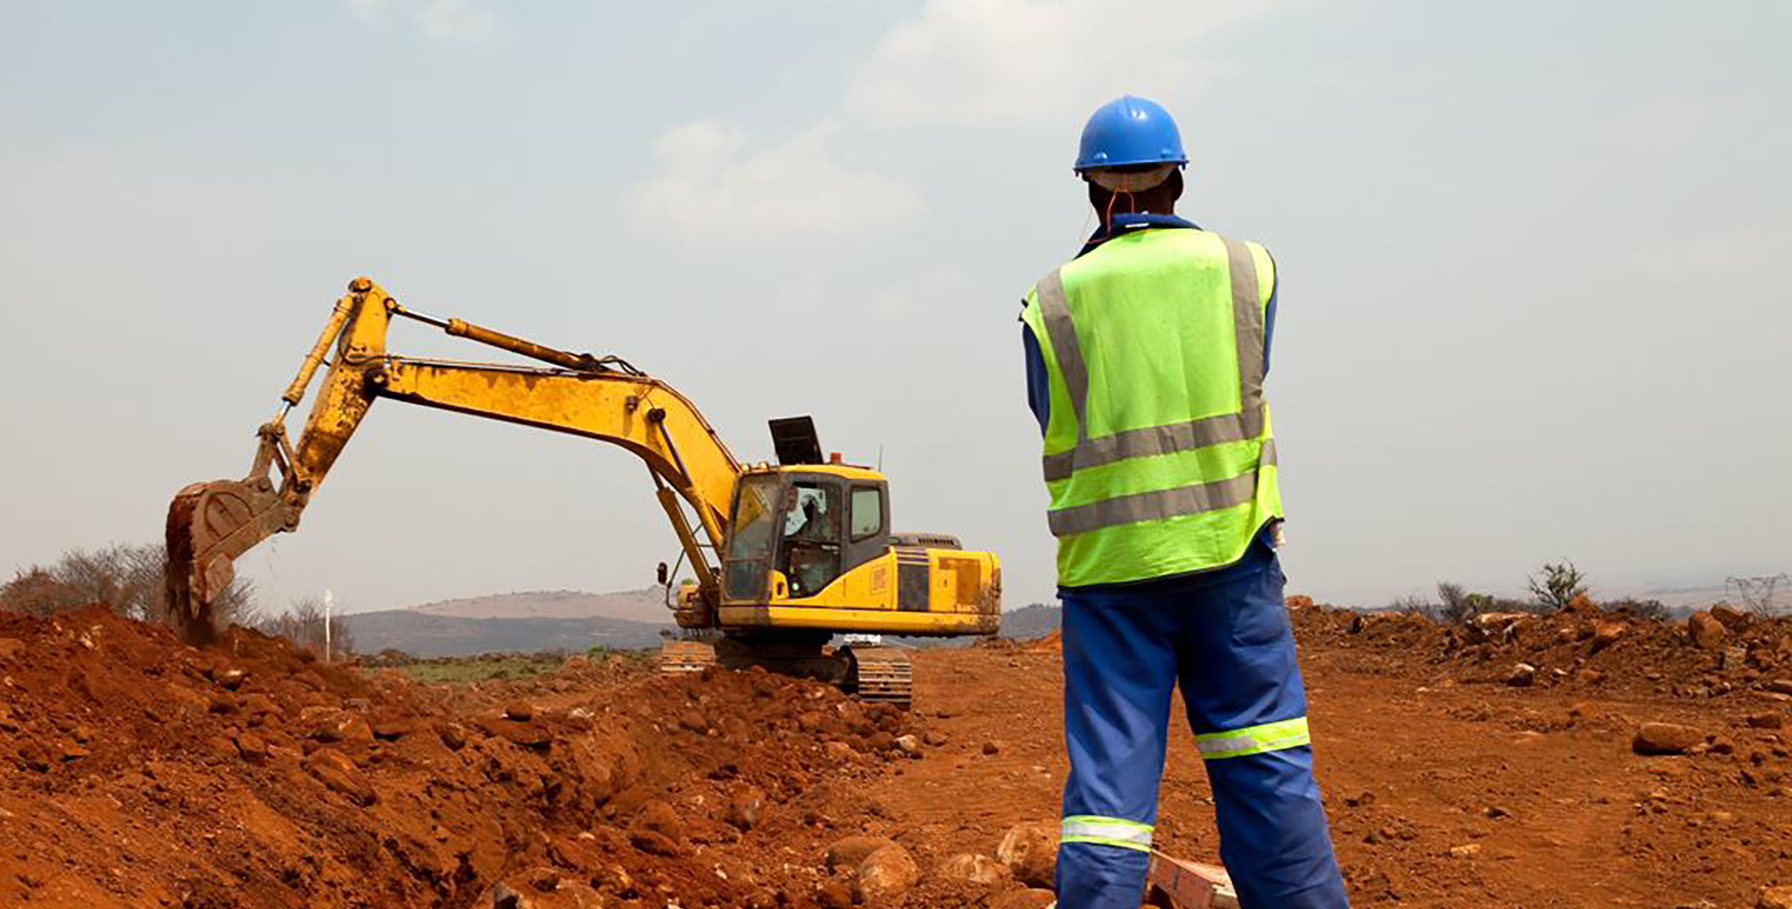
1717,652
1578,759
139,772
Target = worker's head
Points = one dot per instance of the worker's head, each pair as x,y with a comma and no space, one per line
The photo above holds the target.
1132,158
1131,188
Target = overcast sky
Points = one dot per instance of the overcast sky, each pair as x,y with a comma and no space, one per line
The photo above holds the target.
1532,253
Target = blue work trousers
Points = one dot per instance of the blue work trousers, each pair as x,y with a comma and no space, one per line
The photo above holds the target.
1226,639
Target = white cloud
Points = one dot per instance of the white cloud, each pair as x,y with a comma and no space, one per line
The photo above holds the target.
713,183
999,62
447,21
956,63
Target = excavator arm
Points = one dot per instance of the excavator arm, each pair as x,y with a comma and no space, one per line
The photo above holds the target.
211,524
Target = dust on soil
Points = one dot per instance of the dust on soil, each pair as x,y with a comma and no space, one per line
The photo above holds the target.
138,772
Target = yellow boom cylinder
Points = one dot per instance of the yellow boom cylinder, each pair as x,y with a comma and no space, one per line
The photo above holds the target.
338,317
530,349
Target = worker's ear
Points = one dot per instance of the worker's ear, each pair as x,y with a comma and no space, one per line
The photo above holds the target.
1175,184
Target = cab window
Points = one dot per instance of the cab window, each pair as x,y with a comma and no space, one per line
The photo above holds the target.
867,512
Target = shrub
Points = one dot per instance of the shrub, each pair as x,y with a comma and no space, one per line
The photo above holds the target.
1457,604
1644,610
1557,584
1415,605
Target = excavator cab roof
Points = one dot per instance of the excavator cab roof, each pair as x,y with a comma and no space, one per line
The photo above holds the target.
843,471
799,451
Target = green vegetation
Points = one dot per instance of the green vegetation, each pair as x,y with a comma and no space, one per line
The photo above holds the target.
483,668
1556,586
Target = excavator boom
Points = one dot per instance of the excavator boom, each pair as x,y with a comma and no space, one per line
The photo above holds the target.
211,524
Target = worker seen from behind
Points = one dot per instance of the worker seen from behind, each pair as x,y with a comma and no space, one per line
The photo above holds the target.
1146,356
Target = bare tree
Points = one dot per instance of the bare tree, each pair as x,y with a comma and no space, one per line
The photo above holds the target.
1415,605
1757,593
303,625
1557,584
1457,604
126,579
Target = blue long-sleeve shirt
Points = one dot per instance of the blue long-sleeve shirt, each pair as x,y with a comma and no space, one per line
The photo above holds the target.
1261,553
1039,396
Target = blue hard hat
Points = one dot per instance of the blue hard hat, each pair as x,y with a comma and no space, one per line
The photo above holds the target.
1130,130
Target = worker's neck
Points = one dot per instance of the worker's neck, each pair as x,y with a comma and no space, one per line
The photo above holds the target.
1146,209
1138,208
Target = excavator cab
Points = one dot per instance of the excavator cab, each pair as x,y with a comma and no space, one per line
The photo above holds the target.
810,547
796,532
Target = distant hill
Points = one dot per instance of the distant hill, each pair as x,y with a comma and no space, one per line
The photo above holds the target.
1034,621
425,634
645,605
572,620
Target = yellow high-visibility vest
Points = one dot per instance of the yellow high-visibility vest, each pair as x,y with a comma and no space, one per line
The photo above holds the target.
1158,453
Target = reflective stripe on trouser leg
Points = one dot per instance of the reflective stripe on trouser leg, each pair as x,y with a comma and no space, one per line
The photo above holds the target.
1257,739
1119,676
1245,699
1105,831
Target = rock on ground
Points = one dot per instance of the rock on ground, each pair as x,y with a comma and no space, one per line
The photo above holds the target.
1775,898
1732,618
339,773
885,875
1606,634
1030,850
1665,738
1706,632
1024,899
745,808
968,868
849,852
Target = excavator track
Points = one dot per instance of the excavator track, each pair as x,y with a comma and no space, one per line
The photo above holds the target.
884,675
679,657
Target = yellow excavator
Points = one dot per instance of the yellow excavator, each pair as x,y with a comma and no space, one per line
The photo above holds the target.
785,555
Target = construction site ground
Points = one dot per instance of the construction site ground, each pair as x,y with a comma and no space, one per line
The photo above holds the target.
138,772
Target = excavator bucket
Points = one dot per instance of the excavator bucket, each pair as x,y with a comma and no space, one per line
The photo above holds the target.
209,525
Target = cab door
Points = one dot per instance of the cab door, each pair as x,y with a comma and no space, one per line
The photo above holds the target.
752,545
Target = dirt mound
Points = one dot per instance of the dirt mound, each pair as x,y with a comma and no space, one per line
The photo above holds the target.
136,771
1717,653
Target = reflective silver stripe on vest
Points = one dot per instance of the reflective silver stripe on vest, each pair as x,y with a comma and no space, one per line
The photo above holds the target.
1247,316
1055,311
1154,506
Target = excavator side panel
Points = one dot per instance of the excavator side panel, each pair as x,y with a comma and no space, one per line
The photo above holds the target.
958,593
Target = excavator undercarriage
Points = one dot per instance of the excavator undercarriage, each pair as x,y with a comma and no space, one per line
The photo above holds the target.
881,674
